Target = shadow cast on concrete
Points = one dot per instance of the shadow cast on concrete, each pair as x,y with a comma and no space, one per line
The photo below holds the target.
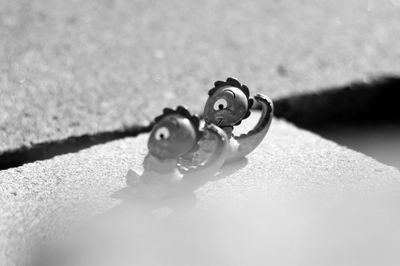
181,198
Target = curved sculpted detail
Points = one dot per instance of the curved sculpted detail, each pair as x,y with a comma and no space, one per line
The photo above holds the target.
178,150
228,104
249,141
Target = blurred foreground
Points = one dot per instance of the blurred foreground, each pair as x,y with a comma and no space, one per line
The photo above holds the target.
340,230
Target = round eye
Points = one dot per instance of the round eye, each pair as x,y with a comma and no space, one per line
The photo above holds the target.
220,104
161,133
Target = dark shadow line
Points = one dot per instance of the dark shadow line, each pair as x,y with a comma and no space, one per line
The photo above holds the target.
376,99
372,100
47,150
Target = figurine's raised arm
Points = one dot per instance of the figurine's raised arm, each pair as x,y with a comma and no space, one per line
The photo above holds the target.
212,165
249,141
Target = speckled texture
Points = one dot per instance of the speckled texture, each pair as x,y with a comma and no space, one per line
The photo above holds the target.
37,198
75,67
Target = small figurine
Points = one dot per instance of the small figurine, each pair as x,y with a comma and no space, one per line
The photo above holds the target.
175,133
228,104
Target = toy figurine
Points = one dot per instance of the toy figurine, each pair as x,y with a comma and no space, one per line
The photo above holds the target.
228,104
175,133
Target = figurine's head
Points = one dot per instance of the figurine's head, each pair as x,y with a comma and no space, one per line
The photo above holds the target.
228,103
175,133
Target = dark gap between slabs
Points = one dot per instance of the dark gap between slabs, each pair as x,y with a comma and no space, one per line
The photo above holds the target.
369,104
47,150
364,116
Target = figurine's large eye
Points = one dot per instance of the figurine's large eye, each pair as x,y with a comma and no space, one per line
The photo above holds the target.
220,104
161,133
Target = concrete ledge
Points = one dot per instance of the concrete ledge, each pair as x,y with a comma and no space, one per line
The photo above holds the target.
38,199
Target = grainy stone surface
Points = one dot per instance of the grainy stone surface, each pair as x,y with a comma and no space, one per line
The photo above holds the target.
39,198
76,67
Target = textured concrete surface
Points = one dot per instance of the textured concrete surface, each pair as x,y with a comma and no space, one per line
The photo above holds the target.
39,198
75,67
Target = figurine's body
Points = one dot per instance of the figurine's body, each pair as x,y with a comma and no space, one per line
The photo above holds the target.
228,104
175,133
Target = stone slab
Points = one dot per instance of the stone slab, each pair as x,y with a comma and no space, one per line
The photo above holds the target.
80,67
38,199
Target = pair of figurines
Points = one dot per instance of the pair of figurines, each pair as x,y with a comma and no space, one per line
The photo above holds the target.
179,149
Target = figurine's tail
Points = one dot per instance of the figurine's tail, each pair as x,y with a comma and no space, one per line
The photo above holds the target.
248,142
